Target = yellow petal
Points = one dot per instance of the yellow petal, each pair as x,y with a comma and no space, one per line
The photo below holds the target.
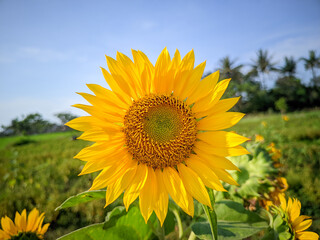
295,210
32,218
306,235
113,142
107,118
121,81
136,185
44,229
221,106
110,152
103,106
220,121
215,161
177,190
303,225
112,172
106,162
161,200
8,226
192,82
175,60
88,123
289,205
17,220
222,138
38,223
298,220
182,72
161,70
208,177
204,88
147,195
115,189
187,62
4,235
210,100
222,152
108,96
82,123
94,149
117,88
148,74
23,220
194,184
225,176
283,202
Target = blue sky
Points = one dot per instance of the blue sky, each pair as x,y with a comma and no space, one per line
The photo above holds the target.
50,49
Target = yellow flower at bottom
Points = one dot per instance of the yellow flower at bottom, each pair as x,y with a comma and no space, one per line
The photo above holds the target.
31,226
298,223
259,138
159,132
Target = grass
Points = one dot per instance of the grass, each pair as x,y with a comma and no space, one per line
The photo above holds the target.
5,141
40,170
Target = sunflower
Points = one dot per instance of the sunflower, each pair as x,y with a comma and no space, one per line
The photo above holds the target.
158,131
259,138
24,228
298,223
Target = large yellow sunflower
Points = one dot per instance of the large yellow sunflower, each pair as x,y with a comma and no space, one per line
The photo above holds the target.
298,223
23,227
158,131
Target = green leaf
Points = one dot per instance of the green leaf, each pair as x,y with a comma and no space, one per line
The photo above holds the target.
169,223
234,222
112,216
82,198
135,220
96,232
118,226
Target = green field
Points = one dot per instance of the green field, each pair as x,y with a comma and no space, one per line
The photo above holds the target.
40,170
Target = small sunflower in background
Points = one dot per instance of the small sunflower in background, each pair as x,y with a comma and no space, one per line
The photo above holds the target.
285,118
259,138
159,131
298,223
24,227
275,152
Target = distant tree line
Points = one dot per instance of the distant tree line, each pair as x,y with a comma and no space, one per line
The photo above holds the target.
289,92
35,124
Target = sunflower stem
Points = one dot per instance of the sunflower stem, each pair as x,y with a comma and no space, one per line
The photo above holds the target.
177,215
211,215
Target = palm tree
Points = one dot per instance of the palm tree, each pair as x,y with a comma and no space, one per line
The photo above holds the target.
289,67
262,65
229,70
312,62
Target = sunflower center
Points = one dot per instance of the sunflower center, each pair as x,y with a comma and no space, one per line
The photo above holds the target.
160,131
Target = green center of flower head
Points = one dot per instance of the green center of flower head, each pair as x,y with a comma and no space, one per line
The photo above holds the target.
26,236
162,123
160,131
